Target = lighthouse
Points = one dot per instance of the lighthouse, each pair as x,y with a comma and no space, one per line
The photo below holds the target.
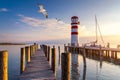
74,31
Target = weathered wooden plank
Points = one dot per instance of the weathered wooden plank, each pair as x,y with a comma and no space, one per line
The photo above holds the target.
38,68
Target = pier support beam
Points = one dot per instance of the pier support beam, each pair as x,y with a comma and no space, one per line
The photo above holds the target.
48,53
33,48
53,65
46,48
4,65
108,54
115,55
31,51
112,54
66,63
22,63
59,55
27,50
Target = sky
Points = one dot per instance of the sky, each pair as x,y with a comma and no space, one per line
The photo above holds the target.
20,20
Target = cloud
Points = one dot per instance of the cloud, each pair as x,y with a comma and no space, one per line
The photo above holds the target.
48,23
31,21
54,28
3,9
84,31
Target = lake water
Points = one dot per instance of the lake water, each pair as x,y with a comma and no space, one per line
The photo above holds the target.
13,61
95,70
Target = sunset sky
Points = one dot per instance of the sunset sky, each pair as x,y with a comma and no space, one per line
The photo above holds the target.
21,21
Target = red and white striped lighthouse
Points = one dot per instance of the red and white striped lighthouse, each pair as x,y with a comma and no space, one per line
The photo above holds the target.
74,31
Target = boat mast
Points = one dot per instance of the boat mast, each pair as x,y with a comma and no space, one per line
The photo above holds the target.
96,29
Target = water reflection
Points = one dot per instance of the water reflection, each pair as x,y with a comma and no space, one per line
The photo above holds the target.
75,67
95,68
101,61
84,73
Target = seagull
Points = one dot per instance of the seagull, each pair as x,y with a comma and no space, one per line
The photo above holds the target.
58,19
42,10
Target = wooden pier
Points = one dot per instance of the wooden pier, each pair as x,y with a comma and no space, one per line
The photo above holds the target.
104,51
34,63
38,68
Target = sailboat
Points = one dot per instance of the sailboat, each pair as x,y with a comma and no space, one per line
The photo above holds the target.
95,43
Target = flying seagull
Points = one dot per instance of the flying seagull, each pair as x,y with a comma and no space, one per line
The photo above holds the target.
42,10
58,19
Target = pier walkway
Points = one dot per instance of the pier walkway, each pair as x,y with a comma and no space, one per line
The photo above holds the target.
38,68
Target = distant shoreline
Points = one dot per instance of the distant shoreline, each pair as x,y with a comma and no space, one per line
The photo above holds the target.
12,43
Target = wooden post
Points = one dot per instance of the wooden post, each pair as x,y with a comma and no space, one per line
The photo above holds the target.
65,66
35,47
45,50
53,60
91,54
115,55
27,48
59,55
22,63
74,49
43,47
48,53
84,56
78,50
31,51
58,49
69,48
4,65
100,51
112,54
108,54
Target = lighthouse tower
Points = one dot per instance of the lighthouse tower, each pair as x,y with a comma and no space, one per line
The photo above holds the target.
74,31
